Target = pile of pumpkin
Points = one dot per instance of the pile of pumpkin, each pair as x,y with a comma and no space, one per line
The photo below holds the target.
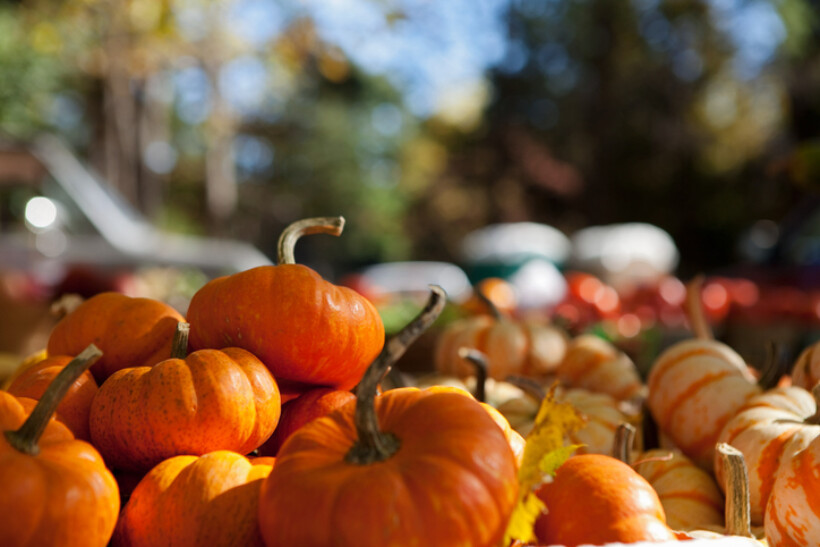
238,425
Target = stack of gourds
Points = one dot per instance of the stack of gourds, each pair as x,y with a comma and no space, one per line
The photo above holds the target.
259,419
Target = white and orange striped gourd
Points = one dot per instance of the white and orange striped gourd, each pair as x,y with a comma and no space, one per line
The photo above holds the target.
594,364
806,369
768,430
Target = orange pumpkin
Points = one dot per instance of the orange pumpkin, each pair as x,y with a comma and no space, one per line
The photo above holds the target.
131,332
594,364
424,468
210,400
73,410
56,490
192,501
500,293
307,331
767,430
597,499
528,348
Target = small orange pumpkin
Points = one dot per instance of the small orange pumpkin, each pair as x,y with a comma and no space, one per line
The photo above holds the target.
597,499
425,468
307,331
131,332
56,490
73,410
210,400
529,348
190,501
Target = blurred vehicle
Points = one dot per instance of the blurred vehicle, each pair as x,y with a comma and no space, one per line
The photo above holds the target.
63,230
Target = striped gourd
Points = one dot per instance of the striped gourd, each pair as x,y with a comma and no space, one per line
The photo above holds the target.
768,430
695,387
594,364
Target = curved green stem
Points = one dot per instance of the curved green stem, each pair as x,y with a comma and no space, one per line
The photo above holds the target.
26,438
479,361
307,226
179,347
374,445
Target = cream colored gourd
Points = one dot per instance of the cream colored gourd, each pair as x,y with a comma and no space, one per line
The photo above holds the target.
594,364
696,386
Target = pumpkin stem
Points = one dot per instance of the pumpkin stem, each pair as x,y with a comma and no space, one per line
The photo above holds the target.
484,299
527,385
623,442
814,419
738,510
26,438
694,309
306,226
479,362
179,347
373,445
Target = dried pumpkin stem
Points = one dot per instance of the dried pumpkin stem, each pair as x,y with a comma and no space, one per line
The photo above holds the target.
479,361
179,346
484,299
623,442
374,445
307,226
738,510
694,309
26,438
528,385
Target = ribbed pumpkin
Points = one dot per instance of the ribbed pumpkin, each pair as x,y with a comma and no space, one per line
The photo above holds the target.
131,332
408,467
307,331
602,414
594,364
190,501
56,490
75,406
806,370
210,400
793,511
528,348
769,429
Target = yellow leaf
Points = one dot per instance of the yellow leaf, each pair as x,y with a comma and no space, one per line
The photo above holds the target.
544,453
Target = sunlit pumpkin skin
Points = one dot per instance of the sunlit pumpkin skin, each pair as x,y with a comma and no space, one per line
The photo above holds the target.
190,501
131,332
501,293
597,499
594,364
211,400
305,408
690,496
806,370
528,348
768,430
307,331
793,512
64,496
695,387
73,410
514,438
451,482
